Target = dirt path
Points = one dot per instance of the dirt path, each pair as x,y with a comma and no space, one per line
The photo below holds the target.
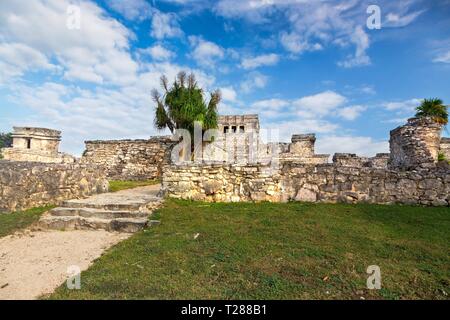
35,263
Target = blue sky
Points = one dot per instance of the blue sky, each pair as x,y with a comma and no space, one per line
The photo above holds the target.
302,65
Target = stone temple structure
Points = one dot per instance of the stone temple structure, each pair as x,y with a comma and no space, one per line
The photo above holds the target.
36,145
239,141
235,165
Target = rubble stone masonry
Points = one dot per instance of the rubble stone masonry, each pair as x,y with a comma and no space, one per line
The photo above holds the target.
311,183
130,159
25,185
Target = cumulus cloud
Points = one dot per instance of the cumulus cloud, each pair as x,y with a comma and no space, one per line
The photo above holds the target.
261,60
204,52
131,9
406,106
313,25
254,80
320,104
165,25
228,94
97,52
158,52
17,59
100,113
364,146
351,112
360,57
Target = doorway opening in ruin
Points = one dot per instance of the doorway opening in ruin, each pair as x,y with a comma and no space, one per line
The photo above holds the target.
28,143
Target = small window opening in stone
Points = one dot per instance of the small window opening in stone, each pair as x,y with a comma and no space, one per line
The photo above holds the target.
28,143
241,129
225,129
234,129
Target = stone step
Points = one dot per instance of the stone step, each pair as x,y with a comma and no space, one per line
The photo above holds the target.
128,225
124,211
97,213
130,206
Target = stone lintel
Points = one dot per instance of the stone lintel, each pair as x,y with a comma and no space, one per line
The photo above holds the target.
303,137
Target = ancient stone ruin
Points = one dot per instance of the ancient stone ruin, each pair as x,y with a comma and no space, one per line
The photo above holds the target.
236,165
36,144
415,144
130,159
410,174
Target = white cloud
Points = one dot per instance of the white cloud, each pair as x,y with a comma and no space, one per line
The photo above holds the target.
351,112
204,52
271,108
158,52
254,80
443,57
97,52
399,20
294,43
131,9
258,61
284,130
360,57
16,59
406,106
313,25
320,104
100,113
228,94
165,25
364,146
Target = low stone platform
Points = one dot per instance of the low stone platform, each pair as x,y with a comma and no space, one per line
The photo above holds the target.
124,211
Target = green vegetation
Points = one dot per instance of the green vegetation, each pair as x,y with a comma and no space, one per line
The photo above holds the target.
441,157
9,223
117,185
433,108
276,251
5,142
182,104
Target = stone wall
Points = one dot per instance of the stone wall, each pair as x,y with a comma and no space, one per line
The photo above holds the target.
130,159
25,185
304,182
415,144
445,147
352,160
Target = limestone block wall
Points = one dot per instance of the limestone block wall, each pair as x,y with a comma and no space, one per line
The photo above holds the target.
333,183
352,160
130,159
445,147
415,144
305,182
27,155
25,185
223,182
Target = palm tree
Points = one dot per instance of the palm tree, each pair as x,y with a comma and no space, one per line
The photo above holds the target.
433,108
182,104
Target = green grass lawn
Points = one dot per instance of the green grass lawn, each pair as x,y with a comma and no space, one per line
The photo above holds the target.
276,251
118,185
9,223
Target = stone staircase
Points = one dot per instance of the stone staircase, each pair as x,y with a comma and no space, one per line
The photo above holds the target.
124,211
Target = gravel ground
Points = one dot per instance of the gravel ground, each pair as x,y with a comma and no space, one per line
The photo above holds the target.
33,264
